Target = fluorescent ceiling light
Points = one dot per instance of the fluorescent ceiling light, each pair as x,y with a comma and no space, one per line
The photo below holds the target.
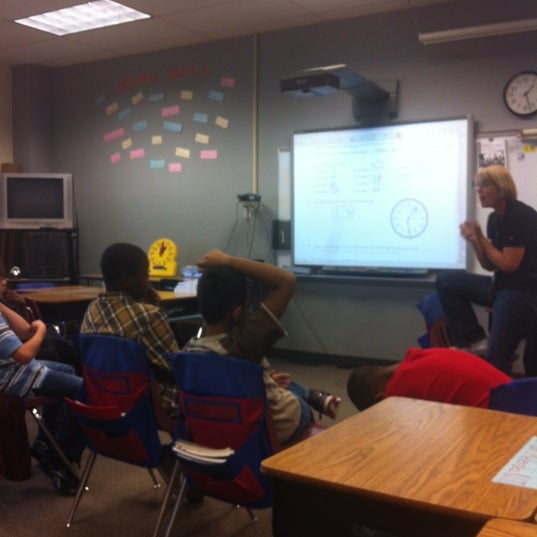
83,17
472,32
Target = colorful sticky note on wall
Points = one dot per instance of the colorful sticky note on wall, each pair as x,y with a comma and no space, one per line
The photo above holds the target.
114,135
125,144
221,122
139,125
115,157
201,138
112,108
216,95
156,140
186,95
227,82
137,98
169,111
199,117
125,113
157,97
182,152
172,126
157,164
137,153
209,154
174,167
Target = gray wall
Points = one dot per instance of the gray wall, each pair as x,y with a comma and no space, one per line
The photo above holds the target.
197,208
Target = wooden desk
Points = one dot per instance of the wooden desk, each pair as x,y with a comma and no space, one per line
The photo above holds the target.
90,277
69,302
499,527
404,466
85,293
62,294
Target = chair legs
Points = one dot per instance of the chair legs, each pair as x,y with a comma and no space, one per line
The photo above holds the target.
82,486
178,502
176,506
38,418
253,518
167,497
156,484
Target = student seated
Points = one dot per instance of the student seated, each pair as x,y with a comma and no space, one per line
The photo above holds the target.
21,375
436,374
128,309
55,346
232,330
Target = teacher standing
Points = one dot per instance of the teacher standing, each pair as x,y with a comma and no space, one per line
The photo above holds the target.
509,251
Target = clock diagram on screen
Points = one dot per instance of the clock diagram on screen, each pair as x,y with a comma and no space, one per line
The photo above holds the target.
409,218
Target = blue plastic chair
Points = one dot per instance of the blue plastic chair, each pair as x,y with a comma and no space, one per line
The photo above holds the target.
437,335
117,416
518,396
28,286
223,404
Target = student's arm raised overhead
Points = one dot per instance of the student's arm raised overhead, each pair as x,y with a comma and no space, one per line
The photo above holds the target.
280,282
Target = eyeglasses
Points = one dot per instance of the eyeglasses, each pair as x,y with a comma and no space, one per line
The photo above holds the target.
483,184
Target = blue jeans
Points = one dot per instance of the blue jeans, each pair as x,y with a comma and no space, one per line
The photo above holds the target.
306,414
60,381
510,314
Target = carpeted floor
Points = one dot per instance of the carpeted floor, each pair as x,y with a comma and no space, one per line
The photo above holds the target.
122,502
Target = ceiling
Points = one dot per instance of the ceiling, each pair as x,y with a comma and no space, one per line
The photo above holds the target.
174,23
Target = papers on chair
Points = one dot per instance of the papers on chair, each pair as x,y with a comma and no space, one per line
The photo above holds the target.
201,454
521,470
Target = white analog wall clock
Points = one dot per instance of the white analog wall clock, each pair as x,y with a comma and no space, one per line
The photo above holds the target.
520,94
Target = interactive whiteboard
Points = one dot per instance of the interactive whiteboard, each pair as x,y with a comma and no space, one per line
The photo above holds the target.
382,197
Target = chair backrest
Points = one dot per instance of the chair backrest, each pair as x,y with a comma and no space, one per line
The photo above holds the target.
223,404
518,396
117,416
437,333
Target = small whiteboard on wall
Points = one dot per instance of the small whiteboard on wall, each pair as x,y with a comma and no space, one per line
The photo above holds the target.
519,156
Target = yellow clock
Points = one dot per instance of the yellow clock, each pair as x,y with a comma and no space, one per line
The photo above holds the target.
162,256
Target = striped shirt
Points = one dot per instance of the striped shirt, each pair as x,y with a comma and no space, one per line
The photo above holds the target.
15,378
118,314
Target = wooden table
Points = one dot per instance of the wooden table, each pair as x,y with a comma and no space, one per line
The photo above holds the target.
404,466
69,302
499,527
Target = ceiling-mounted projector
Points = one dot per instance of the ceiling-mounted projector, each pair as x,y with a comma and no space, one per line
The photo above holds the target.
371,100
310,84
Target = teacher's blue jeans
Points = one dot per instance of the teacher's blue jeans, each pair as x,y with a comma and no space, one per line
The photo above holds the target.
510,314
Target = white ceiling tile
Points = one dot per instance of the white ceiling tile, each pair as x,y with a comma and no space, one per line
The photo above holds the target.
174,23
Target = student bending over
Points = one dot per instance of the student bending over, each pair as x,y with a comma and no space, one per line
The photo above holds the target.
437,374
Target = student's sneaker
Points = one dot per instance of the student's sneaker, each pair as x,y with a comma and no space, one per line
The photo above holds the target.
63,481
324,403
479,347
